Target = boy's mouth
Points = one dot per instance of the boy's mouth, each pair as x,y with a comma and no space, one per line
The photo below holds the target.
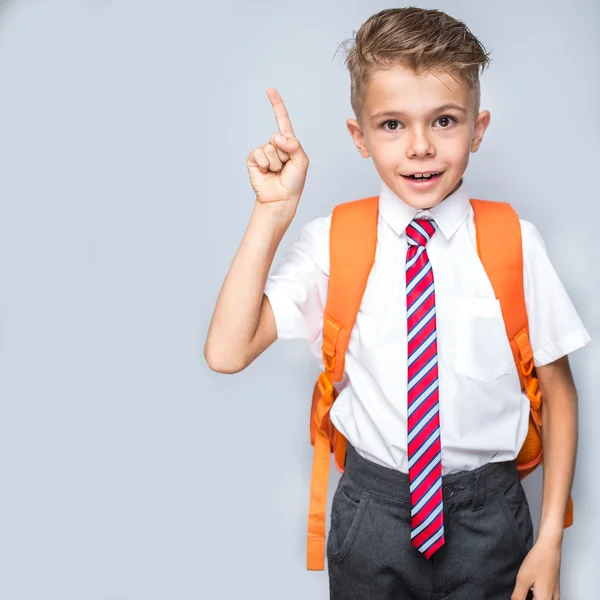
426,179
426,175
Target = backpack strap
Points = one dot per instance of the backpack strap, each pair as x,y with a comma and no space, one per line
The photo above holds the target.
499,245
352,244
497,227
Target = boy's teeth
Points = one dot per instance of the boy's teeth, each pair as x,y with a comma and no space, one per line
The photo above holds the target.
418,176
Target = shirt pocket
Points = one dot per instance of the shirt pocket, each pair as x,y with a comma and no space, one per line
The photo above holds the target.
482,347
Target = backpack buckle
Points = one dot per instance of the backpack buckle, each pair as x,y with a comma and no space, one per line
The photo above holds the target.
532,389
331,331
525,352
329,362
527,370
324,383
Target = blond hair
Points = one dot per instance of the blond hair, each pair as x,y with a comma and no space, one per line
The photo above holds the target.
418,39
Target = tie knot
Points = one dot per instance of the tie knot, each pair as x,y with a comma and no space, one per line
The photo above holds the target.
420,231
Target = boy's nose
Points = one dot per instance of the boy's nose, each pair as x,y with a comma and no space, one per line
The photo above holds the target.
419,144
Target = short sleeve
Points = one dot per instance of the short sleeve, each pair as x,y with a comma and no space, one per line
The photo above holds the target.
297,285
555,328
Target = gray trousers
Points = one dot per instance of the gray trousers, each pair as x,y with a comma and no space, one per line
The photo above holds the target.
487,529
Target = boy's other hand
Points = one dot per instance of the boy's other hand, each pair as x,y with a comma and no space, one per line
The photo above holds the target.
540,572
278,169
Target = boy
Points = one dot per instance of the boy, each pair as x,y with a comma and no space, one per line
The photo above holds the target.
461,526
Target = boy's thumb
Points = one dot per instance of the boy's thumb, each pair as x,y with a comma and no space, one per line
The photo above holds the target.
286,142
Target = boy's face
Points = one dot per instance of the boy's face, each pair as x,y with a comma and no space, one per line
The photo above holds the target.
418,133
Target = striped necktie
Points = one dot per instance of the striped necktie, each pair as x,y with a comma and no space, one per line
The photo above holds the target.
423,425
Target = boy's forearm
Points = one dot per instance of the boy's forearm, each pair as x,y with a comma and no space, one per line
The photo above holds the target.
237,311
559,431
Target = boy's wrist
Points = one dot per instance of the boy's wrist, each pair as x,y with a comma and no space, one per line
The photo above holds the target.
551,535
280,217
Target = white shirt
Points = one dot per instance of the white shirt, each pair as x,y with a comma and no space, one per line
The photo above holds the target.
483,412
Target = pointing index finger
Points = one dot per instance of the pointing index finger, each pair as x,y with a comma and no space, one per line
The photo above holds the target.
281,113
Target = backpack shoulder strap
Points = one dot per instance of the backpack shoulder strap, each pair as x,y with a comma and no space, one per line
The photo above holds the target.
499,245
352,243
500,248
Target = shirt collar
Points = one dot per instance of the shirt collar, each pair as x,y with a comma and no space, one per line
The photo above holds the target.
448,214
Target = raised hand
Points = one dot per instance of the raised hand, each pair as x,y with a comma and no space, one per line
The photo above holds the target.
278,168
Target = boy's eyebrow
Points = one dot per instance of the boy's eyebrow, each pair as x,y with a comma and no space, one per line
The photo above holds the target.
398,113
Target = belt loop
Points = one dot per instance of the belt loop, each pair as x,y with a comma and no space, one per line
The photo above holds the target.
478,490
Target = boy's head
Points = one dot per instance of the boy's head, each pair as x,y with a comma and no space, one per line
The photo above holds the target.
407,67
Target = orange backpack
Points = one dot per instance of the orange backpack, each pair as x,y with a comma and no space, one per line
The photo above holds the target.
352,242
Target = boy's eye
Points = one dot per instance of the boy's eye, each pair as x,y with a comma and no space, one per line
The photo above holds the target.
446,121
393,124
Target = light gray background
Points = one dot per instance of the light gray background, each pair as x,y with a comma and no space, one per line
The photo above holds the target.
128,469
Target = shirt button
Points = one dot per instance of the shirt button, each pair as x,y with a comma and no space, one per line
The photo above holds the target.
448,491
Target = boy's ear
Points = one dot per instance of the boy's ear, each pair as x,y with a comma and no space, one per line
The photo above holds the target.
357,135
481,124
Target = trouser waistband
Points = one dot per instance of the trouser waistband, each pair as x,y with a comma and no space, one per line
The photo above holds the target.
456,487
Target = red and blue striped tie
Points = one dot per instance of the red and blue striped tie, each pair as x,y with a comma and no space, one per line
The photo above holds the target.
423,431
